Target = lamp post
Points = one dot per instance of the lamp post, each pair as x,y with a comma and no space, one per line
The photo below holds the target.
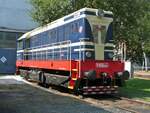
145,59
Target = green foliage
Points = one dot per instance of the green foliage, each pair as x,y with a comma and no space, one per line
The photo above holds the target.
46,11
131,19
137,89
129,24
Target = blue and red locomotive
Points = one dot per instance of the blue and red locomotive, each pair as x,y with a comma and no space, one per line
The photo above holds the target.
75,51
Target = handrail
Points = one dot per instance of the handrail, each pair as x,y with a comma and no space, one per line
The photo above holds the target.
70,57
47,45
53,51
80,54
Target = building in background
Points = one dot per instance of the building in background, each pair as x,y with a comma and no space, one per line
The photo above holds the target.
14,21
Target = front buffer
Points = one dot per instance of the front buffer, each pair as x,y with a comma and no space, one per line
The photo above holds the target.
98,77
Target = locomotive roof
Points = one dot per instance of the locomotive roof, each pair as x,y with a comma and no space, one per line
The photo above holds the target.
66,19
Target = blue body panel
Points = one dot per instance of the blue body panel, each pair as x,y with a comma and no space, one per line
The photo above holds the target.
69,31
62,33
109,35
7,61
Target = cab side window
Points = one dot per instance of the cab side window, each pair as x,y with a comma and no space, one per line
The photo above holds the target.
27,43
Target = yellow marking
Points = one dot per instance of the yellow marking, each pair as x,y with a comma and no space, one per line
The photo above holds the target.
74,78
70,87
74,69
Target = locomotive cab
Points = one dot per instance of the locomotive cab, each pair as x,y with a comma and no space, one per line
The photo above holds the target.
102,33
101,74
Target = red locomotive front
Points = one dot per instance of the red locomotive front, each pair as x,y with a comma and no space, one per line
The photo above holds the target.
97,77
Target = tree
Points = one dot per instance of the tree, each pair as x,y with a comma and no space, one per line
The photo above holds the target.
131,19
46,11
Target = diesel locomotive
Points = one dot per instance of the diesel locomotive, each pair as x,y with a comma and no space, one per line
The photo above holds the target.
75,51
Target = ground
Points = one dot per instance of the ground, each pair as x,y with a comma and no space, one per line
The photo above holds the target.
137,87
142,74
18,97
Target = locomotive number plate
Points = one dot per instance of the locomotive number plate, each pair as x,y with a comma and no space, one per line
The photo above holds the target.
102,65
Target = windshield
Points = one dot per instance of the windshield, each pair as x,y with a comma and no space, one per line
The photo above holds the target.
109,35
99,33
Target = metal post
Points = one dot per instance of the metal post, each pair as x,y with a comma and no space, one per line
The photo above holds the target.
80,60
145,59
53,52
70,58
60,51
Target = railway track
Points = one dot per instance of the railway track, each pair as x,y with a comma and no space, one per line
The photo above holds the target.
131,105
143,75
122,103
109,105
129,110
108,102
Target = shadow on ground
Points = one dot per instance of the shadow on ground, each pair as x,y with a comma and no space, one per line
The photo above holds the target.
136,88
22,98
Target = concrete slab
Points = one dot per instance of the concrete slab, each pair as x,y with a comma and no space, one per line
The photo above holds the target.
18,97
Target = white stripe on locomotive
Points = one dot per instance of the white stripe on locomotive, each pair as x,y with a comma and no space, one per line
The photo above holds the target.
59,46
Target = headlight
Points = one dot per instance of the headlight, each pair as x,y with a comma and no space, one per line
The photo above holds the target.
110,55
88,54
119,73
104,74
100,13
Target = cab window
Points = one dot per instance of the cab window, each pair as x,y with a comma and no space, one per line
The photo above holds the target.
27,43
99,33
20,44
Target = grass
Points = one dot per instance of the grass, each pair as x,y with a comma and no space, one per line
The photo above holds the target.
136,89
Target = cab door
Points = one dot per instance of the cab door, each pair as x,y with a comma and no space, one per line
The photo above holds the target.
99,32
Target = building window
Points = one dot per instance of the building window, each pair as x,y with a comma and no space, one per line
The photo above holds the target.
10,36
8,39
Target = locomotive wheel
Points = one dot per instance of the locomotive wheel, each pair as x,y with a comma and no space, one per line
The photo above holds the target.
42,80
40,77
126,75
120,82
26,76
